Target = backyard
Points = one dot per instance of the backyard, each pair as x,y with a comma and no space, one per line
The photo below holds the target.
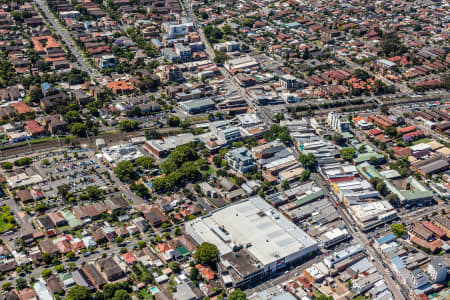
7,220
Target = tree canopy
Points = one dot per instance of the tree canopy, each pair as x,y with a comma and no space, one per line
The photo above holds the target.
237,294
278,132
393,199
125,171
207,254
399,230
78,129
128,125
338,139
347,153
392,45
24,161
391,131
308,161
79,292
174,121
145,162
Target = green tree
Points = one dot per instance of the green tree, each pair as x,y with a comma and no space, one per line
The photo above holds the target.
285,185
220,57
278,132
185,124
7,286
362,149
146,162
7,165
237,294
78,129
399,230
71,266
79,292
49,258
72,117
141,244
392,45
391,131
119,240
177,157
195,275
382,188
306,54
323,297
174,266
227,29
207,254
125,171
70,255
174,121
160,184
46,273
24,161
59,268
217,160
128,125
361,74
305,175
63,190
35,94
308,161
140,189
347,153
393,199
21,283
121,295
338,139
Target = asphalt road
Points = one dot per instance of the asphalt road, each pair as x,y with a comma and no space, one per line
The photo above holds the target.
64,34
397,290
210,51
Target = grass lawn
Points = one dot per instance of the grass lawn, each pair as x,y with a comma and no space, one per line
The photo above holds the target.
2,224
65,228
424,140
198,119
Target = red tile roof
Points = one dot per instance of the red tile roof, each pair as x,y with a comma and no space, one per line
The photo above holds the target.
375,131
119,86
129,258
406,129
163,247
434,229
21,108
33,127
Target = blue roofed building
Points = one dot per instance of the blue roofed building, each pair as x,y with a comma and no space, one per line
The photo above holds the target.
386,239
